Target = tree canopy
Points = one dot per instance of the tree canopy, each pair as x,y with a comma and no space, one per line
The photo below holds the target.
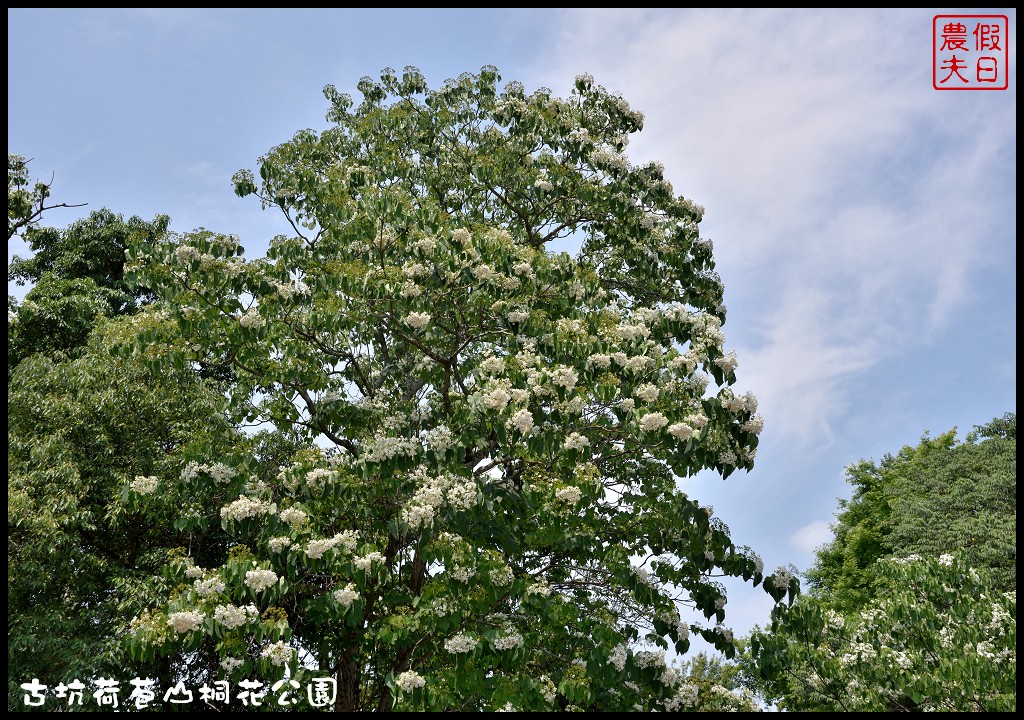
913,603
485,512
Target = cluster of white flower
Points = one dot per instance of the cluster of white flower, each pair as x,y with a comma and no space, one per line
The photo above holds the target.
646,393
277,544
209,587
252,319
259,580
517,316
231,664
754,425
365,562
414,270
385,447
569,495
575,441
194,572
497,395
758,564
426,245
618,658
246,507
564,376
653,421
522,421
461,236
439,438
781,578
460,643
685,696
543,184
649,658
539,588
681,431
185,621
724,632
461,573
727,457
409,681
697,420
511,640
294,517
635,364
317,478
218,471
607,156
633,331
144,485
728,363
347,595
278,653
411,289
720,602
492,365
232,616
348,540
417,320
186,254
946,560
599,360
501,576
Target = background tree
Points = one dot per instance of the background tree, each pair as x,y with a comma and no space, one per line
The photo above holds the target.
494,520
940,496
89,524
913,603
25,207
937,635
77,275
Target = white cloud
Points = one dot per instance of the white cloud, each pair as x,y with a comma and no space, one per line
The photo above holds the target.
810,537
851,204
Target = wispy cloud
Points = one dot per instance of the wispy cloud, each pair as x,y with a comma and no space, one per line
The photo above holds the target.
851,204
810,537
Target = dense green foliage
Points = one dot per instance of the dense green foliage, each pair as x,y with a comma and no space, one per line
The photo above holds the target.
913,603
938,497
493,519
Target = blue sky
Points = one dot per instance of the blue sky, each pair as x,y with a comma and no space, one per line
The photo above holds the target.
864,223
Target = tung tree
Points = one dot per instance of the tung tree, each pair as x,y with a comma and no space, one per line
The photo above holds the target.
487,514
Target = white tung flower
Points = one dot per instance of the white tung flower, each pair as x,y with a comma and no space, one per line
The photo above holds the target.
646,392
681,431
569,495
278,653
365,562
232,616
461,643
508,642
185,621
144,485
346,595
618,658
259,580
231,664
522,421
293,516
575,441
210,586
252,319
653,421
417,320
277,544
409,681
